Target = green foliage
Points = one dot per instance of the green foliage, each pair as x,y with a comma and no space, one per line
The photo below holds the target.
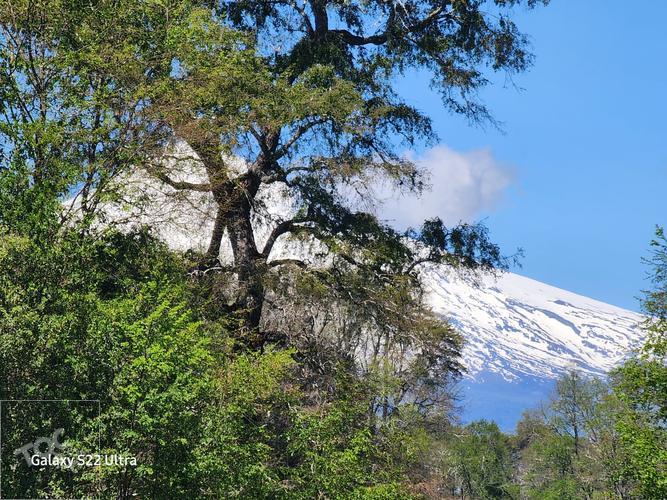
479,462
250,409
162,380
550,466
369,42
65,127
334,453
113,318
641,385
607,440
129,81
592,441
116,325
88,313
79,322
264,443
655,301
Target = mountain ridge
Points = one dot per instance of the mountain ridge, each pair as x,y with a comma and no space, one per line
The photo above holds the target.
516,326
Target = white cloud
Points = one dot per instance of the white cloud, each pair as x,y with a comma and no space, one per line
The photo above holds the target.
462,187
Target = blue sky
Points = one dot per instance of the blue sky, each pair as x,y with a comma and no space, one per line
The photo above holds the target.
583,145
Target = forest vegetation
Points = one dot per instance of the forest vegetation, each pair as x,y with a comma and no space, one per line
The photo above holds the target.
269,377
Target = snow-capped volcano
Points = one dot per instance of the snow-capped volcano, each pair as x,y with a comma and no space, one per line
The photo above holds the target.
517,327
521,335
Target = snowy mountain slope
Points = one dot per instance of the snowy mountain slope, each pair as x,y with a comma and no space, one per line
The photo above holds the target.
521,335
518,327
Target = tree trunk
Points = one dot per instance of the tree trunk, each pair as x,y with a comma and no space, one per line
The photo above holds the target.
213,252
248,262
234,198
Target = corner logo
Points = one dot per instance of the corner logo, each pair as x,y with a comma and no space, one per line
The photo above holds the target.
43,449
43,452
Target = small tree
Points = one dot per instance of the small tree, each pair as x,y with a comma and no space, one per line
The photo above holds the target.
479,462
570,447
641,385
67,129
573,407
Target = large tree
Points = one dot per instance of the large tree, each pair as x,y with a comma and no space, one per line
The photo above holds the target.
301,92
319,114
296,94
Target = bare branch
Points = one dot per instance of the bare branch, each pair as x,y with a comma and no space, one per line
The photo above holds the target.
156,171
306,20
285,262
183,185
298,133
381,38
279,230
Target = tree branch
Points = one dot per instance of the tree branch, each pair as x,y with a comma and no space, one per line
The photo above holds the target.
381,38
284,262
279,230
298,133
181,185
306,19
319,8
